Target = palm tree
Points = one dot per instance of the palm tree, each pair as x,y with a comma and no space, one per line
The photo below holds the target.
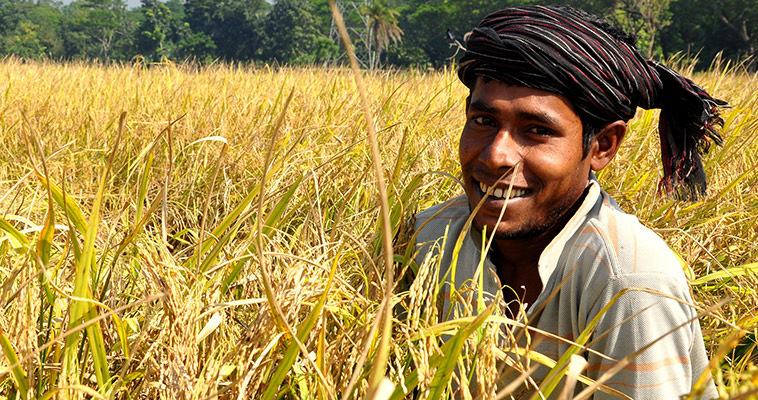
382,24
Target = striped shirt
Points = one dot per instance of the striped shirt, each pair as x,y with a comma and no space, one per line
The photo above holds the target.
600,253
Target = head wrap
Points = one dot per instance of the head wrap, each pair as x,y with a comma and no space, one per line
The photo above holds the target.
600,71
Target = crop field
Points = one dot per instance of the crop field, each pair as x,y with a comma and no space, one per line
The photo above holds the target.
173,231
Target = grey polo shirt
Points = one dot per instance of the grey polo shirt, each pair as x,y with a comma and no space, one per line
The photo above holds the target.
600,253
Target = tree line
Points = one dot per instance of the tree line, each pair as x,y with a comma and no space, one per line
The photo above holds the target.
400,33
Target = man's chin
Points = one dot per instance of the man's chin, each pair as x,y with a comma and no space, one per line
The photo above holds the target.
518,233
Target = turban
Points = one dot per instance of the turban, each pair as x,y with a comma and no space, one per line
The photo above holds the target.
600,71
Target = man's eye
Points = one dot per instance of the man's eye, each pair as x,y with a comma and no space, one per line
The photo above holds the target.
540,131
482,120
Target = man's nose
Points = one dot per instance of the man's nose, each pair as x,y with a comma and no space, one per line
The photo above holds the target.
502,152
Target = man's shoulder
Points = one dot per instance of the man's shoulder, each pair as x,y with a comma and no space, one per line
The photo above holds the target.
453,208
630,246
434,220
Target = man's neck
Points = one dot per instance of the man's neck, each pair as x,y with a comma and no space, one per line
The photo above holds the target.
517,260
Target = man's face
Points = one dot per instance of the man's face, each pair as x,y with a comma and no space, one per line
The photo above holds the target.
508,124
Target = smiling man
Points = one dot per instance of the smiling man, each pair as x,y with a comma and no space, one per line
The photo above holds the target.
551,91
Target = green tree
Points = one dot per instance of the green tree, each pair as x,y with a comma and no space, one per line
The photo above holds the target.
24,41
426,25
655,16
94,28
697,33
10,15
29,29
160,29
382,27
198,46
292,36
47,17
359,26
323,15
644,18
232,26
741,17
603,8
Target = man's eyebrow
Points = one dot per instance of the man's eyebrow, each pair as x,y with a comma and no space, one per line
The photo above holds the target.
541,117
482,106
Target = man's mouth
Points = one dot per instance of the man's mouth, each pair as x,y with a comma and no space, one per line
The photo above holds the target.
500,193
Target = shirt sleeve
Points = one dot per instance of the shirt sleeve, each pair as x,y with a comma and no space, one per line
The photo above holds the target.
658,319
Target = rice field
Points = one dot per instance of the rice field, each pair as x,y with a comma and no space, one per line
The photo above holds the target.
175,231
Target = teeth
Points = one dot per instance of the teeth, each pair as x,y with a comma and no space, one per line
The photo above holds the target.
501,193
518,192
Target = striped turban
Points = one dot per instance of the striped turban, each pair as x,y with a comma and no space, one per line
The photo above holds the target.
600,71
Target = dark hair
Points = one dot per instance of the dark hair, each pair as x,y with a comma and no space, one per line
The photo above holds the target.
589,131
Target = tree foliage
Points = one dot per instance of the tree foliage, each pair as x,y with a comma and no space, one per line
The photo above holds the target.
419,33
741,17
382,26
232,26
29,30
291,35
97,28
161,29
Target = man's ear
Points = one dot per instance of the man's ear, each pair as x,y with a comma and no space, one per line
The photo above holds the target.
606,144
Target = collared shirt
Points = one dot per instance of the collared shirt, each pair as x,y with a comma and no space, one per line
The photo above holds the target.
602,257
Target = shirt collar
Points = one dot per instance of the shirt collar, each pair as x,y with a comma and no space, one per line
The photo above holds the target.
549,257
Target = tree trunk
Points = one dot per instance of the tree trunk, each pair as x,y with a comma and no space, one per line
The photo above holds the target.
752,63
742,32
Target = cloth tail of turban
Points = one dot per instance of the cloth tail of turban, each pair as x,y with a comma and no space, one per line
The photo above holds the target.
599,70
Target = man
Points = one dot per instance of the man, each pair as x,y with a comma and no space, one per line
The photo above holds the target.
551,90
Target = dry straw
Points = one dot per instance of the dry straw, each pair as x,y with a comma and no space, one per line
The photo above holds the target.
225,237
